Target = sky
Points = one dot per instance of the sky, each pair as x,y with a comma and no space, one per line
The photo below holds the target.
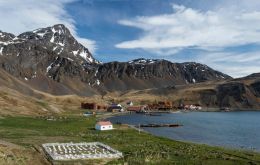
223,34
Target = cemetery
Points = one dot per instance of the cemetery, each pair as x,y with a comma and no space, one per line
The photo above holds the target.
73,151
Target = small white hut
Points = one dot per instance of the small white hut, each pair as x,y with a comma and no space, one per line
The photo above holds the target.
104,125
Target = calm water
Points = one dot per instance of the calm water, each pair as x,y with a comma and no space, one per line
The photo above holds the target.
229,129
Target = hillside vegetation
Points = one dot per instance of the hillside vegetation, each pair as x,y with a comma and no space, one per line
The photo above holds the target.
29,133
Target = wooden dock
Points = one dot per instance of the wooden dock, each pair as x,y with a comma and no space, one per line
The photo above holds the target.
161,125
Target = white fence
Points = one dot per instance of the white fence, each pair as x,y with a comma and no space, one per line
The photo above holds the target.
70,151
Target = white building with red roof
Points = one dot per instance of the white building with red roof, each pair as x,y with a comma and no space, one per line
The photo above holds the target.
104,125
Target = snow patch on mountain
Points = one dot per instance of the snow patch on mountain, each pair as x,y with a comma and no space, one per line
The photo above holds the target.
53,35
49,68
41,34
60,51
84,54
55,47
75,52
10,42
61,44
70,59
98,82
143,61
1,50
52,39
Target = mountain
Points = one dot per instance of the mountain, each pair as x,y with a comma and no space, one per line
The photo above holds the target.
29,52
46,70
52,60
35,56
238,94
148,73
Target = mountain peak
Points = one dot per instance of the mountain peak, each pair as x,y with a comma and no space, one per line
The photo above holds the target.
56,27
4,37
60,26
57,38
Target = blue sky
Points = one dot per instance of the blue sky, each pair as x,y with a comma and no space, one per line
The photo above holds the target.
98,21
224,34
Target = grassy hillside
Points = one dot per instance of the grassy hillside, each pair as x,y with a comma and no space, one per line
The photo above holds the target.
21,137
29,133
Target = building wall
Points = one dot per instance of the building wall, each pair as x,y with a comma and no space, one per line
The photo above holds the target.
89,106
103,127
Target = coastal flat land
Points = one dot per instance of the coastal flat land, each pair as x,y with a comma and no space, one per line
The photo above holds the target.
23,137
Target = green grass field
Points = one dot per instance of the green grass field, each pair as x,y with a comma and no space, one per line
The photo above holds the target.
137,148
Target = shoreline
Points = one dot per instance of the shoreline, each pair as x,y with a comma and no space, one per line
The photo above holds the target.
242,149
236,148
136,147
112,114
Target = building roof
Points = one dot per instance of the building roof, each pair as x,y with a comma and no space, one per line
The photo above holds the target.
114,104
104,123
115,107
135,108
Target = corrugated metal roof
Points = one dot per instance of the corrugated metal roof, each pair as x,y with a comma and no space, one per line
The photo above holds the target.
104,123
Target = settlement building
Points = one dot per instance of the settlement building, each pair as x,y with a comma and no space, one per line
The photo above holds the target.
104,125
141,108
192,107
93,106
129,103
115,108
161,105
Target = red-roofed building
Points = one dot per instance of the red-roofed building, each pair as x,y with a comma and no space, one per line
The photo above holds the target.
104,125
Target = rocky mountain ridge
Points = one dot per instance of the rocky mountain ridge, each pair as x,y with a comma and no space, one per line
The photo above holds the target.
53,55
153,73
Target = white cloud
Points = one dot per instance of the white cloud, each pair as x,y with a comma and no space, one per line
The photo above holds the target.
18,16
233,63
232,23
237,71
187,27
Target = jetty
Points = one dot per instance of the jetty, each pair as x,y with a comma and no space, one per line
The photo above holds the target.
161,125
